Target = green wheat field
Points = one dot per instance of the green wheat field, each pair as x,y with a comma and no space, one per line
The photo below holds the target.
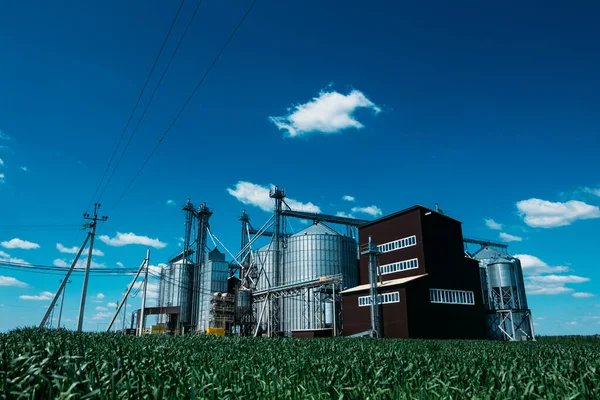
41,364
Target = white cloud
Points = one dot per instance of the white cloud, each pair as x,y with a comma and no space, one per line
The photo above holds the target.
561,279
24,168
583,295
1,178
343,214
100,296
594,191
102,315
330,112
1,162
506,237
371,210
348,198
4,136
41,296
17,243
100,308
546,214
533,289
120,264
123,239
257,195
171,202
60,263
75,249
571,323
156,269
490,223
10,281
534,266
112,304
82,263
7,258
151,290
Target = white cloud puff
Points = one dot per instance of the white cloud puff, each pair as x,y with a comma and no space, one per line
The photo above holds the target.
546,214
258,195
124,239
330,112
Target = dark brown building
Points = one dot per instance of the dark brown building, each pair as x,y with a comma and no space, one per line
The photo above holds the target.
429,288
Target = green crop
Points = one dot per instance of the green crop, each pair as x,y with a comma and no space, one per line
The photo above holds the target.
39,364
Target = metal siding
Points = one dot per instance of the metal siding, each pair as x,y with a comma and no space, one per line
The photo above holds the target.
388,230
394,315
308,257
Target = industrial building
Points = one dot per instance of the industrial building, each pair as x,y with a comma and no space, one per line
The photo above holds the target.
427,288
405,275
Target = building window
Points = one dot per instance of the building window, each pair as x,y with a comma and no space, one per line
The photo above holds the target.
446,296
399,266
382,298
398,244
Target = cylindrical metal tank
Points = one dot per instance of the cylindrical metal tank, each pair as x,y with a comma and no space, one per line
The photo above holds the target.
317,251
506,284
320,251
265,260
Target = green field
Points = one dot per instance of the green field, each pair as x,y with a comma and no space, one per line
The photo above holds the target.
61,364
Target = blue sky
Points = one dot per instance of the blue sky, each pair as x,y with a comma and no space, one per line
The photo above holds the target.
489,109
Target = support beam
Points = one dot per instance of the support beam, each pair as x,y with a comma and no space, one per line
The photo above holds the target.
484,243
324,217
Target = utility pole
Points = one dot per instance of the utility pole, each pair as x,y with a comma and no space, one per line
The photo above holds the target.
142,320
61,303
92,225
64,283
123,302
124,313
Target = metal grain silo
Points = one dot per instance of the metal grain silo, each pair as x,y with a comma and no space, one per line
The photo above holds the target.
317,251
265,259
504,295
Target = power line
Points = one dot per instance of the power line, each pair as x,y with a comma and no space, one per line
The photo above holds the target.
238,26
19,266
136,103
151,98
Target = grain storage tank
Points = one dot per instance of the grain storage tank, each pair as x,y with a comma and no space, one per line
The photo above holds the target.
504,295
317,251
265,262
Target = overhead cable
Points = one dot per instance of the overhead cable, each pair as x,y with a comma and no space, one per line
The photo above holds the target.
136,103
150,100
238,26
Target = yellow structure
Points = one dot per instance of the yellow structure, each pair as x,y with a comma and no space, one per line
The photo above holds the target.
157,329
215,331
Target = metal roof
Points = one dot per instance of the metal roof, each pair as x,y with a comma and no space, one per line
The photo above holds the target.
489,253
317,229
407,210
384,284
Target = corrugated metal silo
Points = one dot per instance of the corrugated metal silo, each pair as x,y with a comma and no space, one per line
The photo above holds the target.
315,252
504,295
